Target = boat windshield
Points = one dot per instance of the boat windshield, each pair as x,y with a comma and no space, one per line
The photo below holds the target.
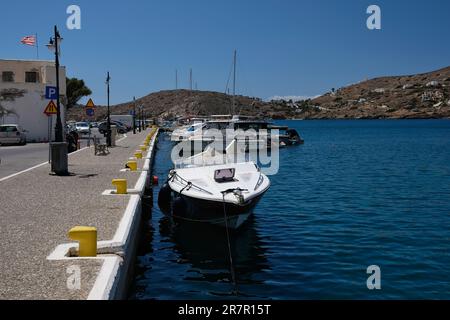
195,127
251,126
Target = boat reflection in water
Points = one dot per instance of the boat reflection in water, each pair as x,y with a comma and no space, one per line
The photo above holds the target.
204,248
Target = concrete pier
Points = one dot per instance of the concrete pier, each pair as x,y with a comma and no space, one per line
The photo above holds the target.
37,210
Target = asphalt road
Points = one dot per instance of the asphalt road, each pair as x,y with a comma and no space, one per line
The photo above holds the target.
15,159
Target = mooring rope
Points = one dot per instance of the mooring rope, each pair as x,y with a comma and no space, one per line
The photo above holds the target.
233,275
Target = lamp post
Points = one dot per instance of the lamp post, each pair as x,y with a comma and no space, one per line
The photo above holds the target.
54,46
59,148
144,117
134,115
108,122
139,119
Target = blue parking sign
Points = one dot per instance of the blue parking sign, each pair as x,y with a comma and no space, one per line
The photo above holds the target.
51,93
90,112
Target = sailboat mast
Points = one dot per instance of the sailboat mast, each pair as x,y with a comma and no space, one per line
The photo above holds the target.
234,81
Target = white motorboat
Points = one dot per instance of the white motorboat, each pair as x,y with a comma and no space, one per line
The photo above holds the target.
185,132
207,188
256,135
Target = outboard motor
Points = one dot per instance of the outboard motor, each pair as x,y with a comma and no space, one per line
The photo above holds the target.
165,198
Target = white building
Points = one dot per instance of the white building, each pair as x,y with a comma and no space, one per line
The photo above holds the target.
432,84
22,95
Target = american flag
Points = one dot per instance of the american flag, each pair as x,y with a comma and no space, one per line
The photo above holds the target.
29,40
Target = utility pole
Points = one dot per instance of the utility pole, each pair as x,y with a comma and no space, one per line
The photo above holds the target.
176,79
134,115
108,125
190,79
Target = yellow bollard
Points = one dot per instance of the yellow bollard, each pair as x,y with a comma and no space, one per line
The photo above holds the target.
87,238
132,165
121,185
143,148
138,154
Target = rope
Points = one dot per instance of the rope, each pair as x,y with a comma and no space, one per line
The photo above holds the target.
189,184
187,187
233,275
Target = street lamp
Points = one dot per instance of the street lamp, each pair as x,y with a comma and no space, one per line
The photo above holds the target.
108,122
139,119
134,115
59,148
143,118
53,46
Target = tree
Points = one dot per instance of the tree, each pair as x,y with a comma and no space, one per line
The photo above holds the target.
9,95
76,89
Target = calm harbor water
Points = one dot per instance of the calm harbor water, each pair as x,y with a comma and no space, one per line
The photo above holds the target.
358,193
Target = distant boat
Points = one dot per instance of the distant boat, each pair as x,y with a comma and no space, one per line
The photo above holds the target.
257,132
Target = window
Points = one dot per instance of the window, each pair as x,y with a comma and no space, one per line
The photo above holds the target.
224,175
8,76
31,77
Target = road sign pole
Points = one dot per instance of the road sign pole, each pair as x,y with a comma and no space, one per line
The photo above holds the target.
89,136
49,133
50,120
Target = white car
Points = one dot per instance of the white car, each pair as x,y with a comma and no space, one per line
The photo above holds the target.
82,127
12,134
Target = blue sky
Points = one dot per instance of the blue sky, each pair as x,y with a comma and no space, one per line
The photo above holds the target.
298,47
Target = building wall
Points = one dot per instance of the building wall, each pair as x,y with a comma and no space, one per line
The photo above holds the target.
27,107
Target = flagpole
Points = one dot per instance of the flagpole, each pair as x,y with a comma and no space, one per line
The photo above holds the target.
37,46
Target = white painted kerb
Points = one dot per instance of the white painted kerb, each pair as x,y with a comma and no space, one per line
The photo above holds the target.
108,273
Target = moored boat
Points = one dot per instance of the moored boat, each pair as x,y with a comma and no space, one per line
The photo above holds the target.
221,194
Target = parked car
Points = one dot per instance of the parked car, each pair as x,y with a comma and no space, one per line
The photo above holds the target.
121,128
12,134
82,127
126,120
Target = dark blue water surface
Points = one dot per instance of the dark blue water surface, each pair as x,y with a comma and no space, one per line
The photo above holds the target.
358,193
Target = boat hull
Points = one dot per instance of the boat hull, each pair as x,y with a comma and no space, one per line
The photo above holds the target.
212,212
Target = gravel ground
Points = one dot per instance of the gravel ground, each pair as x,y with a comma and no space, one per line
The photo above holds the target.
38,209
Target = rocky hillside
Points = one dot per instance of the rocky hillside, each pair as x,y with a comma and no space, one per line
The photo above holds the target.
416,96
174,103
